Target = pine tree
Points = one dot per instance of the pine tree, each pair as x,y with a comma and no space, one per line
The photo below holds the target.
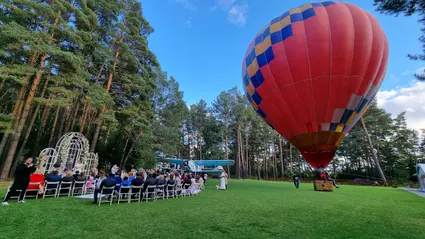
408,8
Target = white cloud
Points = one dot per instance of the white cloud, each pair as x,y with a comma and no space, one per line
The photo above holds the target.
188,22
238,14
225,4
187,4
410,99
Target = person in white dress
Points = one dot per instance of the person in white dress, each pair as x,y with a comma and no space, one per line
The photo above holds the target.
222,177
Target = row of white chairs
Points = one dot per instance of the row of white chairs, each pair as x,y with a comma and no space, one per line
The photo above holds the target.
134,193
55,189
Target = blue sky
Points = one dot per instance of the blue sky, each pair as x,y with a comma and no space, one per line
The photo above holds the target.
203,42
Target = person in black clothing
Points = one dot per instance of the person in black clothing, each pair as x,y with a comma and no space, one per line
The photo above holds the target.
150,181
68,178
171,181
296,179
138,181
108,182
22,179
187,182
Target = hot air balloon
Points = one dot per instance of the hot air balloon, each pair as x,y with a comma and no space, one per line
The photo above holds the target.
312,72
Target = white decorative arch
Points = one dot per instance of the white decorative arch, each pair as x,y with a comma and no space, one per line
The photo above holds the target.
47,159
72,151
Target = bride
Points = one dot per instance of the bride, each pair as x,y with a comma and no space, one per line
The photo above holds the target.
222,185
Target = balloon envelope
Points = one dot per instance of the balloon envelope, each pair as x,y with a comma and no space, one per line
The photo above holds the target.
313,71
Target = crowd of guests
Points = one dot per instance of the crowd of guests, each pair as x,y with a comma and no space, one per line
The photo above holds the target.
29,177
145,178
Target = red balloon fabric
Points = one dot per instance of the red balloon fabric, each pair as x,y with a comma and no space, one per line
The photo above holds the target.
313,71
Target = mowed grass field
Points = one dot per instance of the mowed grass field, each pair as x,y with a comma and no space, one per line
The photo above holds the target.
248,209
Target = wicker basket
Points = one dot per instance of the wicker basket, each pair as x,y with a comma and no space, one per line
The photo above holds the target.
323,185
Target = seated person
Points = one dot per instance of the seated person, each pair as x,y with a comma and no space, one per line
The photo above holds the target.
36,177
178,179
150,181
81,177
108,182
171,181
76,175
126,182
53,177
90,182
68,177
187,182
138,181
161,180
328,177
131,176
117,178
199,182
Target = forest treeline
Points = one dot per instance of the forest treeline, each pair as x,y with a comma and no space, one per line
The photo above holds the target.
85,66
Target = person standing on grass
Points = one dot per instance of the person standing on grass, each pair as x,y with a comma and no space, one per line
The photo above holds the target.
222,177
22,179
296,179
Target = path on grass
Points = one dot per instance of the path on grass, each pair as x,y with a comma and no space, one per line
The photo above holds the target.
415,191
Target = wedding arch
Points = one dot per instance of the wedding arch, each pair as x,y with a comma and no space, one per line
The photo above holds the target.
71,153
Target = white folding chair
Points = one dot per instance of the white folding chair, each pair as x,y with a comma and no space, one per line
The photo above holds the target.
124,194
186,190
78,187
171,192
135,193
33,192
13,196
89,189
150,193
160,192
178,191
50,187
64,189
109,193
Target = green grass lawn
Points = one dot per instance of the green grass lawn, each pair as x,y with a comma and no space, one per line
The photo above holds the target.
248,209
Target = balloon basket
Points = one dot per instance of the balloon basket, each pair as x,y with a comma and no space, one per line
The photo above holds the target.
323,185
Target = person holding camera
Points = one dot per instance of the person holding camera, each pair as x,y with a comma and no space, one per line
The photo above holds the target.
22,179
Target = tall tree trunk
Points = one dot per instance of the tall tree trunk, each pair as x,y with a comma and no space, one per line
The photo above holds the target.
373,152
40,131
107,135
23,118
108,87
123,153
274,160
55,121
71,120
27,107
281,156
131,148
238,159
32,121
266,173
61,125
290,158
247,155
15,115
83,116
200,145
258,170
227,148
